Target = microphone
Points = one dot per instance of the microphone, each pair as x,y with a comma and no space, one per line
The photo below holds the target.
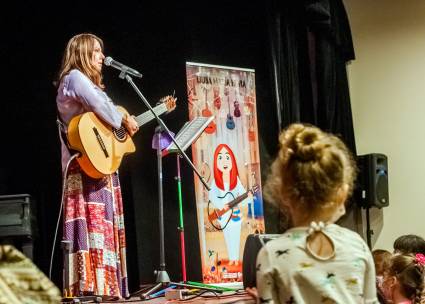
122,67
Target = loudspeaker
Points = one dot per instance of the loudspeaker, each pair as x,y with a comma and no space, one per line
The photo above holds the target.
372,182
17,221
253,244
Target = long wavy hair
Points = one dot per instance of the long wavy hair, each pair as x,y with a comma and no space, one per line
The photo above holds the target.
78,55
218,175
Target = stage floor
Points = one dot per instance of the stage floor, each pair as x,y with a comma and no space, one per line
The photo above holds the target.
240,298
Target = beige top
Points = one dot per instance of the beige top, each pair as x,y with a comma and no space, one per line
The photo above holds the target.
288,272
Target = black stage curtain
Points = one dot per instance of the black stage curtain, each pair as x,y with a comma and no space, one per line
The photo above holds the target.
310,47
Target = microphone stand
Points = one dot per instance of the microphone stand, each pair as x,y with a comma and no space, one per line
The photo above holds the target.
181,224
162,278
123,75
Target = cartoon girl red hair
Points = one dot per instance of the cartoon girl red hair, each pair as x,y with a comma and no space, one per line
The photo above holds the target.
225,189
218,174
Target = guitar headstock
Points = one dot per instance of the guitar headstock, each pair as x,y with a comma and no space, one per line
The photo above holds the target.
254,189
205,171
169,101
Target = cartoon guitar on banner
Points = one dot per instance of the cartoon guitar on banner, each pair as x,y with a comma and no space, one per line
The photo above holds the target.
210,129
230,123
191,94
237,111
252,223
218,214
249,112
217,99
205,173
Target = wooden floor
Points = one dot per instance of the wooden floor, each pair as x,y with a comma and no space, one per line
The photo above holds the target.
240,298
157,292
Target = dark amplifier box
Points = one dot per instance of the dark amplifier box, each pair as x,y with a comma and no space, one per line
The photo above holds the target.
16,216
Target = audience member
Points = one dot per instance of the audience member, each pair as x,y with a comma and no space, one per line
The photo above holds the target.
316,261
381,259
403,281
409,244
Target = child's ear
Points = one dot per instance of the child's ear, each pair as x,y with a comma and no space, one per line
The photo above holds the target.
392,280
389,280
342,194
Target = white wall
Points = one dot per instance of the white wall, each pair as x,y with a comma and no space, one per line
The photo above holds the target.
387,87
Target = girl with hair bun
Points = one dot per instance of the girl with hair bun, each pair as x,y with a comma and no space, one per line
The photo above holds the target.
316,261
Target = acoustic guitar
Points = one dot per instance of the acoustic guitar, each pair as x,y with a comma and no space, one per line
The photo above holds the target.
249,112
218,213
103,147
237,111
230,123
217,99
206,112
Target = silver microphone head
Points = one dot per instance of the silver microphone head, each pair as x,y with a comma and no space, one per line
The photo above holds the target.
107,61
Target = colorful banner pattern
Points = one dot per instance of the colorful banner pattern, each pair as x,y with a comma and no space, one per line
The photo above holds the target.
227,156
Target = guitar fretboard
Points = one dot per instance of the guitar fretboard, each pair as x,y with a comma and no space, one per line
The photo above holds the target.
148,115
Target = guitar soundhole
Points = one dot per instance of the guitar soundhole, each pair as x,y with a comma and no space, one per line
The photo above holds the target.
120,134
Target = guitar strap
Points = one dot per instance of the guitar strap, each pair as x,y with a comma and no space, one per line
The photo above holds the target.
63,131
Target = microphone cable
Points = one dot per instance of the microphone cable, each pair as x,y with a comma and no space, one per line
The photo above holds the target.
65,173
60,212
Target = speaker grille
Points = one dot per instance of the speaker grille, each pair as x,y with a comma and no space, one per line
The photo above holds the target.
382,189
372,182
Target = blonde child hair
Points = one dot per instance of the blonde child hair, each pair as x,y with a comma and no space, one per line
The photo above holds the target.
315,261
309,170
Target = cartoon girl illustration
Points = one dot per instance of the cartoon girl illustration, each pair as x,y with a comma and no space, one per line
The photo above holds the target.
226,187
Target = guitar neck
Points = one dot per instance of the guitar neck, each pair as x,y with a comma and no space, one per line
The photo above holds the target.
148,115
238,199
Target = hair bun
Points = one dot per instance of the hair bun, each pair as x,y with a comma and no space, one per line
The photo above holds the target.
308,146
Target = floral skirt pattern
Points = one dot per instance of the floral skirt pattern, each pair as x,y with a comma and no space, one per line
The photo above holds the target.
94,223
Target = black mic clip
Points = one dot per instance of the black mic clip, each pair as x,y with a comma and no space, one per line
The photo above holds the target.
108,61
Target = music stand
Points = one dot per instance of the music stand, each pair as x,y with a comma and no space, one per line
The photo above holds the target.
162,276
189,133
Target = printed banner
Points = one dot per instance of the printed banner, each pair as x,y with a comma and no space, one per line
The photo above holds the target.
227,156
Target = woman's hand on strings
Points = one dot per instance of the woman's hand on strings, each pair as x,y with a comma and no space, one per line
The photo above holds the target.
130,124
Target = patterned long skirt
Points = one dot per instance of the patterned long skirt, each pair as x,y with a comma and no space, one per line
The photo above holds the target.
94,223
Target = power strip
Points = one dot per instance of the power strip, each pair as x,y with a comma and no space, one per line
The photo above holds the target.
176,294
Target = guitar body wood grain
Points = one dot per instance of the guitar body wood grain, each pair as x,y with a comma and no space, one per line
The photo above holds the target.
83,138
103,147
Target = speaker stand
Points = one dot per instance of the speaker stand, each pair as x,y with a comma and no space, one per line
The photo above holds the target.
369,232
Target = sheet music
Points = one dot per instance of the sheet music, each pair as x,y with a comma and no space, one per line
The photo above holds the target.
189,133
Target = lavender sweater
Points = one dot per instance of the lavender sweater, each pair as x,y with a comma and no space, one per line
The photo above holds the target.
77,94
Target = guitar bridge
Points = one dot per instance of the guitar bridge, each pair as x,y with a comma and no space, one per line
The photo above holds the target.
100,141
